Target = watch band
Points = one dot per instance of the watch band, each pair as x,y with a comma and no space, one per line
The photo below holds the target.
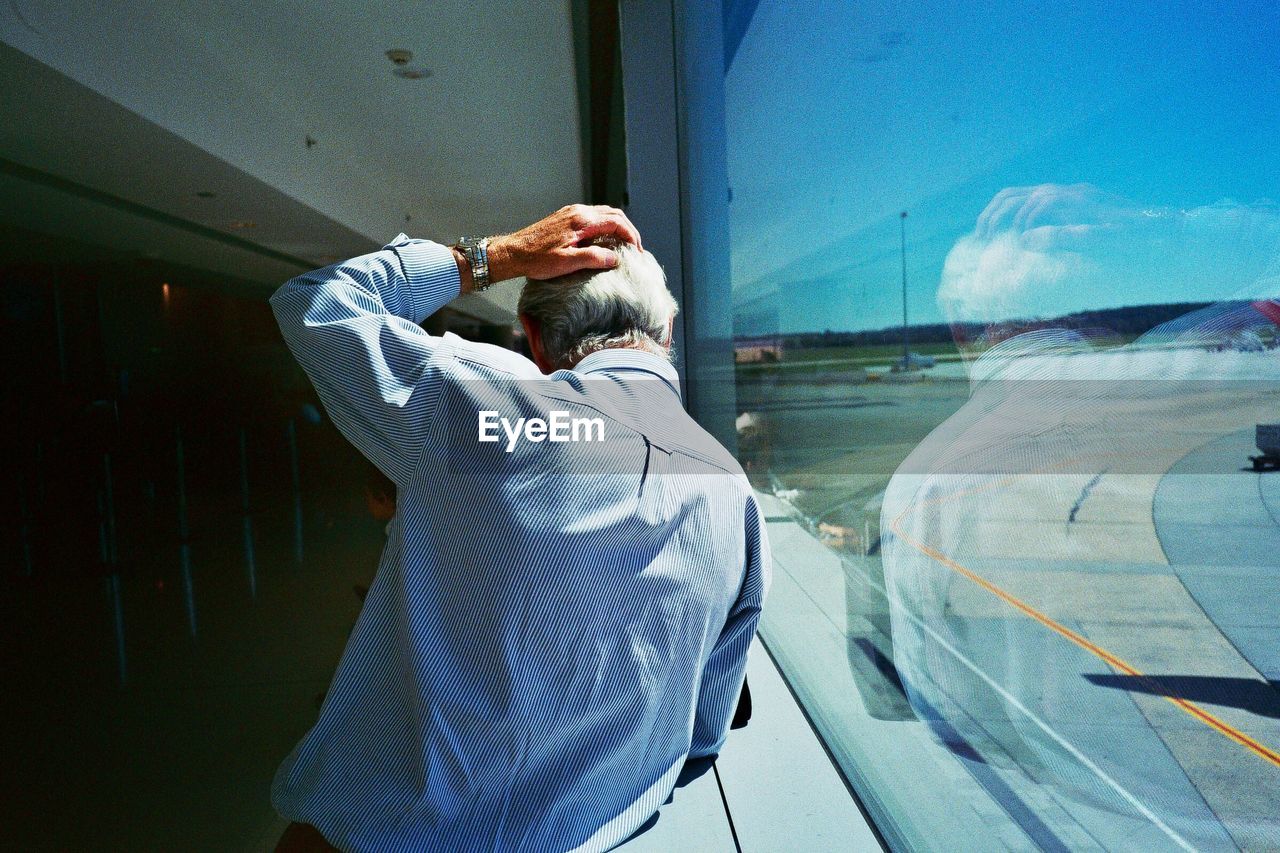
476,251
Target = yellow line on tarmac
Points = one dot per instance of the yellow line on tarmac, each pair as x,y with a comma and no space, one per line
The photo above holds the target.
1262,751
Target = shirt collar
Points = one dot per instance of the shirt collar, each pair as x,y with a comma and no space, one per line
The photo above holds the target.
628,358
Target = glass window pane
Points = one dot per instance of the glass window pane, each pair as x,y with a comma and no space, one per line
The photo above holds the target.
1005,327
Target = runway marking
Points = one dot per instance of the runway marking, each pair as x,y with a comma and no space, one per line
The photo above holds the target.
1013,701
1195,711
1084,495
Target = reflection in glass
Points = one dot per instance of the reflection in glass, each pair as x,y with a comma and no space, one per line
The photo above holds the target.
1067,556
1029,570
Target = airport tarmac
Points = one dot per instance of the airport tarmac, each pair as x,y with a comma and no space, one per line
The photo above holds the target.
1098,554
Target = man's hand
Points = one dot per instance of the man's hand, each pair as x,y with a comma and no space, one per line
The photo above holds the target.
560,244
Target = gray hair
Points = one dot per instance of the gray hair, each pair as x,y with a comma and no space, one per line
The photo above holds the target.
583,312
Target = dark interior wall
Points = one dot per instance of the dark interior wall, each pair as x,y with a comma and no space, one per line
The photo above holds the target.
108,363
117,355
138,571
182,530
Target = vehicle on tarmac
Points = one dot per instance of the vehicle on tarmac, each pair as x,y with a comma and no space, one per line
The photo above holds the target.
1268,441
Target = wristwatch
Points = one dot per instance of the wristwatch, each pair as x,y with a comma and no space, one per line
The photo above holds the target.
476,251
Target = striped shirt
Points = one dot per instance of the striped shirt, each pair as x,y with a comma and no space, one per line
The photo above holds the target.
555,626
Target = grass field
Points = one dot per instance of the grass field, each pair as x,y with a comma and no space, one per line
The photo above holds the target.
820,358
879,355
884,352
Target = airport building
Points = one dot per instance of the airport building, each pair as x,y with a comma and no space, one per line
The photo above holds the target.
1026,597
755,350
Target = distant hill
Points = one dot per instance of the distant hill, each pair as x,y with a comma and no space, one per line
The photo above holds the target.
1128,322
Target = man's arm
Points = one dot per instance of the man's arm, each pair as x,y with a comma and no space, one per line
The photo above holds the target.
726,668
353,326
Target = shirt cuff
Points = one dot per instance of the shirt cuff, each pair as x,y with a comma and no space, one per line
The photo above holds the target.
430,272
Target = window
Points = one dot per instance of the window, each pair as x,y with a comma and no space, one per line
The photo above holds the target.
1005,350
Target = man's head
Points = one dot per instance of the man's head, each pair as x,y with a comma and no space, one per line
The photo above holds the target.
628,306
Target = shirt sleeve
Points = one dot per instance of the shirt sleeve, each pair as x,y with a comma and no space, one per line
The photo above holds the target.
726,668
354,329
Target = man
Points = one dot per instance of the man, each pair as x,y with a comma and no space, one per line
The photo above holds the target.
574,574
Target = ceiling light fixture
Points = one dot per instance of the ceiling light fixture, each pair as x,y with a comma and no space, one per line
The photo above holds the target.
401,57
241,223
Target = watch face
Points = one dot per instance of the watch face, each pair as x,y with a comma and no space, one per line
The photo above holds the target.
473,249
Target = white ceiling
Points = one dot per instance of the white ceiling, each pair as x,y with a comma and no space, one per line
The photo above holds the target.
78,165
489,142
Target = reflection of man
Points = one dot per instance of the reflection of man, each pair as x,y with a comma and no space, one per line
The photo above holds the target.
1045,548
561,616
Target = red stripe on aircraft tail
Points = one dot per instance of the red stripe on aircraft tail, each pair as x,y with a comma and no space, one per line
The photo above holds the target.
1269,308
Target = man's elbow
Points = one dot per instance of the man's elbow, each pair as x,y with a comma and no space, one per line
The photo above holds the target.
287,306
281,294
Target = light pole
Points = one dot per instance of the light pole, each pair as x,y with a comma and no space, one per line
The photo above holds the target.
906,341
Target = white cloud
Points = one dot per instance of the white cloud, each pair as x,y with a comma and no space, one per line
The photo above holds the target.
985,277
1049,249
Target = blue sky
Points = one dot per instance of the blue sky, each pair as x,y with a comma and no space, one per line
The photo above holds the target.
1152,129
